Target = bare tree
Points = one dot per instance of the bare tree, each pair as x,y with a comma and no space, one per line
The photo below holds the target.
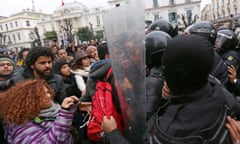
190,20
67,28
35,37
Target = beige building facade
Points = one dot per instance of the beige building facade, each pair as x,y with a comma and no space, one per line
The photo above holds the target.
16,29
170,10
222,12
78,15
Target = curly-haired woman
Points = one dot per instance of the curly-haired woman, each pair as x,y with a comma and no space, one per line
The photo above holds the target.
30,116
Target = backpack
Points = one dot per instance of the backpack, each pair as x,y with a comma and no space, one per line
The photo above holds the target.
102,105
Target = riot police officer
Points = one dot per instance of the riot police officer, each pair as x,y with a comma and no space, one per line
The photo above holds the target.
225,45
196,113
155,44
163,25
207,30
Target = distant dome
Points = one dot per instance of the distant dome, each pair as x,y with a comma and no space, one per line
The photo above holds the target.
72,6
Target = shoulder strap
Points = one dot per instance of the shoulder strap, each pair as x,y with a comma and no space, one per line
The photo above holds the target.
108,73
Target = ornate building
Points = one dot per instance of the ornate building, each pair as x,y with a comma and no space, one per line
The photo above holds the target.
171,10
17,30
76,15
222,12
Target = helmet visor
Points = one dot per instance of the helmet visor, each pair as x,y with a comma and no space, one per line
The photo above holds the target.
221,39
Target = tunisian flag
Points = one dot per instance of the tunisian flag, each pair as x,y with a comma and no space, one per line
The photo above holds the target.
62,3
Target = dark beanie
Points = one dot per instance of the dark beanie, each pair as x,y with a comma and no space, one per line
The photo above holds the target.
187,63
58,65
7,58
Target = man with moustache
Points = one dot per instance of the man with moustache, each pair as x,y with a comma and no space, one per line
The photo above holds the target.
6,72
39,64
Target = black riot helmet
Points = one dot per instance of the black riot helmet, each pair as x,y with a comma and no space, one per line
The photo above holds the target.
205,29
163,25
226,40
155,44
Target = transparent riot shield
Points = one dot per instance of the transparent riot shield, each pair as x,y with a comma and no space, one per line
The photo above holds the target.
124,30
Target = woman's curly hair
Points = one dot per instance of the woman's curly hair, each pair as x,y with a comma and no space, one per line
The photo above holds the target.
21,103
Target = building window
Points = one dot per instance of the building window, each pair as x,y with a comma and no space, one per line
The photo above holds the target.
229,10
14,38
155,3
27,23
6,27
217,5
189,15
235,9
44,29
171,2
172,16
19,36
16,23
11,25
223,12
188,1
9,39
53,28
98,20
156,16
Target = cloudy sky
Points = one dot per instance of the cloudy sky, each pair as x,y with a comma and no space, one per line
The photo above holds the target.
9,7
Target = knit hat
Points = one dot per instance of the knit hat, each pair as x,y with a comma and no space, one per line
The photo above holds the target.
90,49
58,65
187,63
7,58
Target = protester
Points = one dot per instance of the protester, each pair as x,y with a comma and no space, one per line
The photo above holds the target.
80,68
63,55
39,64
93,53
22,56
99,71
28,108
6,72
71,49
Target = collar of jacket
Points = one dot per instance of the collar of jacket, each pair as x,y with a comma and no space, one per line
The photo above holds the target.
202,93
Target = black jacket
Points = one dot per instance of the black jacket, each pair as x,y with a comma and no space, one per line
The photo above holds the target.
71,86
219,69
186,115
154,84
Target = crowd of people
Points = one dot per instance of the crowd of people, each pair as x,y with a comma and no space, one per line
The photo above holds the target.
192,89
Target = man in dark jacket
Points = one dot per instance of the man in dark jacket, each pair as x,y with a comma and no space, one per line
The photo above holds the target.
197,101
98,71
6,72
39,64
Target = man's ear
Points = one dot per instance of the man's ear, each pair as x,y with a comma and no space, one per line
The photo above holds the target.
32,66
